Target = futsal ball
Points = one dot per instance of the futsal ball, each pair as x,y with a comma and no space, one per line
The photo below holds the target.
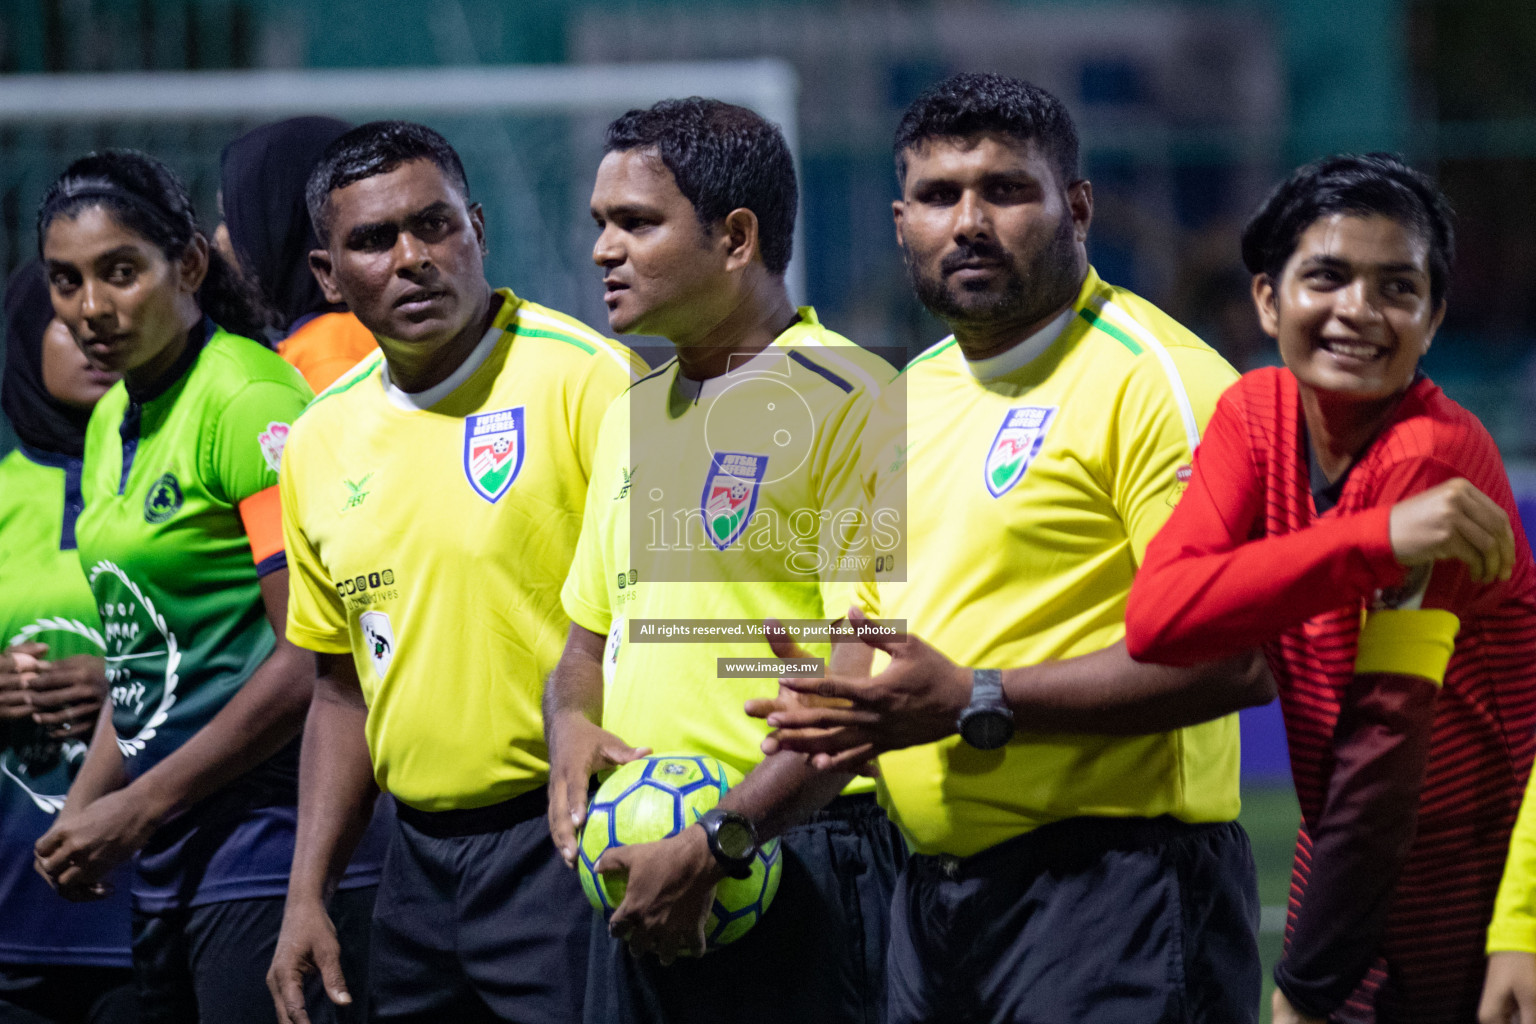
659,796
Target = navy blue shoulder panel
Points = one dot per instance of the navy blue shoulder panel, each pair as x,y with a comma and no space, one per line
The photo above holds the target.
800,358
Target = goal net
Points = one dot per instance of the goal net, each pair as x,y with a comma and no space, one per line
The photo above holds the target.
530,137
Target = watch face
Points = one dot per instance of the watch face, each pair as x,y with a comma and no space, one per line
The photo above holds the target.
987,730
734,839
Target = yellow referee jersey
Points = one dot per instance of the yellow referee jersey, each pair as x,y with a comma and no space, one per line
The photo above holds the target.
1029,500
429,536
1514,912
717,502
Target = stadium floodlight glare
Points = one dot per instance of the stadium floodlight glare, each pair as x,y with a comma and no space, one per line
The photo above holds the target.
769,86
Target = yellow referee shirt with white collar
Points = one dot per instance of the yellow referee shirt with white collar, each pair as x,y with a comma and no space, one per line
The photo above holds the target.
429,535
719,501
1027,501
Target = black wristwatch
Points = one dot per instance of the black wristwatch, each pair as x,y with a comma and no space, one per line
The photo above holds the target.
987,721
732,840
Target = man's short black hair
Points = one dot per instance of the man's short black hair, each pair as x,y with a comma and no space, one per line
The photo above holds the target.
723,158
966,105
377,147
1375,183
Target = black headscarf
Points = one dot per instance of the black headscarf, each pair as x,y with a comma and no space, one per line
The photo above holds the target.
262,175
43,423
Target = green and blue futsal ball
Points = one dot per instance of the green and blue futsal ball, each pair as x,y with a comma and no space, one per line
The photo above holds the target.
656,797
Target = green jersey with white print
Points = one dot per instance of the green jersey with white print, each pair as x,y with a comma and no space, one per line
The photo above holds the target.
162,539
44,599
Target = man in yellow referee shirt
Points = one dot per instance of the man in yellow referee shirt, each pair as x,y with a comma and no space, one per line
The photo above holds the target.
1509,990
717,491
1071,811
431,502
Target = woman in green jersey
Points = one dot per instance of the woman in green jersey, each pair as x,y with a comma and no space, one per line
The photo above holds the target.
194,763
58,962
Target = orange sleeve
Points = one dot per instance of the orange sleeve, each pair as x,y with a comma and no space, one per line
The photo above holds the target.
327,347
262,514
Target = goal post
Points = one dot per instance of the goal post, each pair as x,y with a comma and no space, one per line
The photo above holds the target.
530,136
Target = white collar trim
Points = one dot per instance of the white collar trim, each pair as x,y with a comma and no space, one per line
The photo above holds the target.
413,401
1023,353
768,361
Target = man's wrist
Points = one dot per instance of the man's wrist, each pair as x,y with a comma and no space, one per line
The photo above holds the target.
986,722
961,687
700,858
303,898
564,721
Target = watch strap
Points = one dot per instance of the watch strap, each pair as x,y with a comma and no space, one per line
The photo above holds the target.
987,686
712,820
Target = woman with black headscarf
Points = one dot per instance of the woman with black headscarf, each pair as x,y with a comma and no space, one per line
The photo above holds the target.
60,961
267,233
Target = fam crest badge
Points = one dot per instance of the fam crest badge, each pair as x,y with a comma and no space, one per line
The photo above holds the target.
494,446
1017,443
730,495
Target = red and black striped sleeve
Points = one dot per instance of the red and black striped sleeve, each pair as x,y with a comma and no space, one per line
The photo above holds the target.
1209,588
1380,752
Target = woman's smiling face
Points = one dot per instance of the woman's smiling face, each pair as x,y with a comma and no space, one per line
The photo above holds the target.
1352,310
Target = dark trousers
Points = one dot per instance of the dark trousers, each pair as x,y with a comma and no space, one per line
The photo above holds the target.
209,964
1085,920
816,956
66,994
478,919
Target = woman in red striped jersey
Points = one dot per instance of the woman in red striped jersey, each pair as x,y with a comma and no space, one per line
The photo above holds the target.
1349,517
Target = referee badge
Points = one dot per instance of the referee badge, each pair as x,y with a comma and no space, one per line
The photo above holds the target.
379,636
730,495
1017,443
493,451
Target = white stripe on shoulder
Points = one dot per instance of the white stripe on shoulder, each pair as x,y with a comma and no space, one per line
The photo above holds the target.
533,314
831,354
1148,340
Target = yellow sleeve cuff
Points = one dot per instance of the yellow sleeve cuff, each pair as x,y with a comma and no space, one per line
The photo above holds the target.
1512,935
1407,642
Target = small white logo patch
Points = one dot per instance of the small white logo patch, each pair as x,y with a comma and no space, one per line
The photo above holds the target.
380,638
272,441
611,651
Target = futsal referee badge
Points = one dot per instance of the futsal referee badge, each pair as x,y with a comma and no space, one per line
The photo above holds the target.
1017,443
493,451
730,495
379,636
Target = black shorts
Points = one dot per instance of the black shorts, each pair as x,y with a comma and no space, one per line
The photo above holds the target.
210,963
816,956
66,994
1087,919
478,919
